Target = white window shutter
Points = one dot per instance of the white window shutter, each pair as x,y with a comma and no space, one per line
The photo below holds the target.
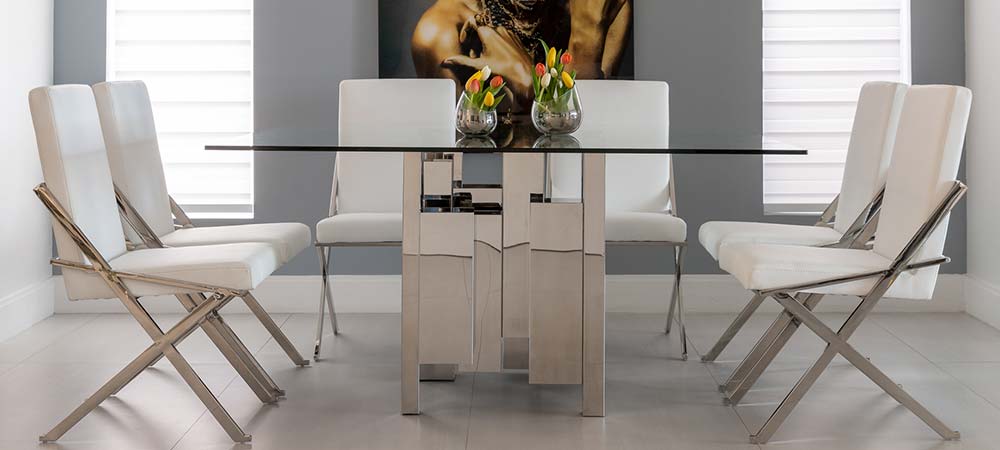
196,57
817,55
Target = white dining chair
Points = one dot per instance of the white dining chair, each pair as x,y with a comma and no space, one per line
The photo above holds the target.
641,205
921,190
96,263
129,131
367,189
874,132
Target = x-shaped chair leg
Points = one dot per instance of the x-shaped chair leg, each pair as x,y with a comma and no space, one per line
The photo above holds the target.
735,327
163,344
837,344
764,352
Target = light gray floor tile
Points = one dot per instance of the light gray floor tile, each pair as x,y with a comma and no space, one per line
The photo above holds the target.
41,335
350,399
954,337
154,411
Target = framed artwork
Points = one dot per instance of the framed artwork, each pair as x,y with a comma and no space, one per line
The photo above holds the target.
456,38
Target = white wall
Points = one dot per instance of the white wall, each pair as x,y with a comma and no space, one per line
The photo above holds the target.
982,67
26,285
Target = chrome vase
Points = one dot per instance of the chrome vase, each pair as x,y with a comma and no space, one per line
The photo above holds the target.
471,120
561,115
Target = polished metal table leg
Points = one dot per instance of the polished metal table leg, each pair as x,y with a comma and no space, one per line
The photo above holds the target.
410,306
594,298
523,175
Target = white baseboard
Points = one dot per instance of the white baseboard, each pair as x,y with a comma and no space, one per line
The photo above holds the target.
982,301
626,293
26,307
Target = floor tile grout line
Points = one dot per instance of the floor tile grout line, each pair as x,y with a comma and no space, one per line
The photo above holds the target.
50,344
227,386
716,381
938,366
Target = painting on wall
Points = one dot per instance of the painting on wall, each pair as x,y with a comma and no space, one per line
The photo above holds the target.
455,38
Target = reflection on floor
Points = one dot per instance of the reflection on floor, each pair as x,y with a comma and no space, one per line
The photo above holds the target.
350,400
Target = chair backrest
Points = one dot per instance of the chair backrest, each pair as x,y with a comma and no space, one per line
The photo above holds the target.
623,109
387,113
134,152
872,140
75,167
924,166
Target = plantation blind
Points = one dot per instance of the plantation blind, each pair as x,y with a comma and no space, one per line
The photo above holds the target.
817,55
196,57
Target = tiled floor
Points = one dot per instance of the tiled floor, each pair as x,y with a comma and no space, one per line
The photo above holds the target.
950,362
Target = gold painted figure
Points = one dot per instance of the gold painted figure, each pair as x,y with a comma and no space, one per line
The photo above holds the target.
455,38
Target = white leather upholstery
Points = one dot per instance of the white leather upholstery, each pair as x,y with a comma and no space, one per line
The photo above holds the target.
644,227
880,105
924,166
236,266
137,169
134,152
637,186
767,266
368,186
713,234
633,182
287,239
872,140
75,165
360,227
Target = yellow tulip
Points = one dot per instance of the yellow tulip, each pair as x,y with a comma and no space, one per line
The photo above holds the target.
476,76
551,59
567,80
490,100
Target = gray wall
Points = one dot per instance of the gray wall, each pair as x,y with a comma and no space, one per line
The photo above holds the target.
708,50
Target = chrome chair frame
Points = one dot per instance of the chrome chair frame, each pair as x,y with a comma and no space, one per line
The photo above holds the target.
204,314
869,213
150,240
325,252
679,248
797,310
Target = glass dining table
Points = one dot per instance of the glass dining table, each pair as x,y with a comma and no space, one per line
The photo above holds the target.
509,277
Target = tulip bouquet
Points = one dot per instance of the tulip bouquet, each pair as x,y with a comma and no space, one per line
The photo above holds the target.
552,81
556,109
483,92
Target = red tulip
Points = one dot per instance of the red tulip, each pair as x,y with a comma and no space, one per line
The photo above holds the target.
474,86
540,69
566,59
496,82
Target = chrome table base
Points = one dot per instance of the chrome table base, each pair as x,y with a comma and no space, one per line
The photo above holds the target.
512,286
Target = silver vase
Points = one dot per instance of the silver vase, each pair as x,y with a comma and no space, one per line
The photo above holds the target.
562,115
470,120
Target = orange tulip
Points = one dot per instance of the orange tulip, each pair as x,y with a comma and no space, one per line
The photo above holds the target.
566,59
473,86
496,82
540,69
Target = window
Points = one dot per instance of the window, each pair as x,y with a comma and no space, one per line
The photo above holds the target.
196,57
817,55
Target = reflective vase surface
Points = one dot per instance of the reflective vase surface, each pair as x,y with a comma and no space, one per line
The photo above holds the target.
470,120
558,116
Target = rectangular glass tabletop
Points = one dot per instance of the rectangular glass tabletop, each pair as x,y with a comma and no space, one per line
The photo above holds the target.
513,135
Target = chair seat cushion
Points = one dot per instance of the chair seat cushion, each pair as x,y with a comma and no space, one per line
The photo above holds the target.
288,239
233,266
714,235
360,228
769,266
644,227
